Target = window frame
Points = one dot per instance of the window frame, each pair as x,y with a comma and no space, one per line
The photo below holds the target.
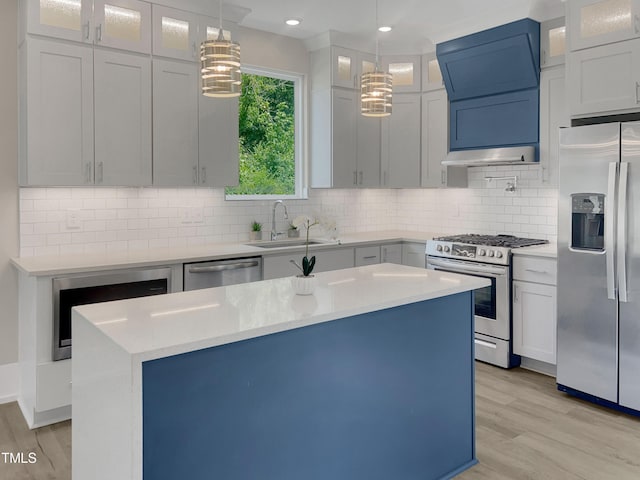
301,165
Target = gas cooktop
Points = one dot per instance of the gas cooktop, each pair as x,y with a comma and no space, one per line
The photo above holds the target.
507,241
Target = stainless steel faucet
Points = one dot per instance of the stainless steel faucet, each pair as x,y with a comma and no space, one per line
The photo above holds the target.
274,233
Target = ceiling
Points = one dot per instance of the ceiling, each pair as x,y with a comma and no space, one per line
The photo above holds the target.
417,24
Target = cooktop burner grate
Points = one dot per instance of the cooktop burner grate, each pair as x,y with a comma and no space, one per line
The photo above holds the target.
508,241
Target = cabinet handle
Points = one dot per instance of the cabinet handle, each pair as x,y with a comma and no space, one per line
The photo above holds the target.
99,33
195,175
87,172
636,24
533,270
360,177
194,48
637,97
544,57
369,257
203,180
85,29
515,294
100,172
355,177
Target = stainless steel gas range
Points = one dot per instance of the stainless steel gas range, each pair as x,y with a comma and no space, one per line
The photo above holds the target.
487,256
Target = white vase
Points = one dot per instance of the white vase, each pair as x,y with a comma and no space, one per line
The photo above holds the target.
304,285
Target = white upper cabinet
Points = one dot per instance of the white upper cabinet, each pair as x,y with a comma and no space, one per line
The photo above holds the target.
122,24
218,153
554,113
343,138
435,137
401,143
175,33
405,71
59,114
598,22
122,99
66,19
347,65
175,123
552,42
604,80
431,73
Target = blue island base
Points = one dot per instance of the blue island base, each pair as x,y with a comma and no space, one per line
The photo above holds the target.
383,395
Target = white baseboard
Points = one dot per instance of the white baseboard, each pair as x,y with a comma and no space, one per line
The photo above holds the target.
9,383
538,366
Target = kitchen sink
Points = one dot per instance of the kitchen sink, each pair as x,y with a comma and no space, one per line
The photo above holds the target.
283,243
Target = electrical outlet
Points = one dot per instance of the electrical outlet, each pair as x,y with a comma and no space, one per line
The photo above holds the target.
73,219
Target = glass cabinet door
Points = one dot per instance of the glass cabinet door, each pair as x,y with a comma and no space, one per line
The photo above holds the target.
67,19
405,70
552,42
343,67
175,33
124,24
597,22
431,74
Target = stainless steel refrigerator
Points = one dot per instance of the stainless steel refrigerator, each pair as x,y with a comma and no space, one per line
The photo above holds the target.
599,264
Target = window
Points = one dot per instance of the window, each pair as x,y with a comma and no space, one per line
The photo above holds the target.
270,116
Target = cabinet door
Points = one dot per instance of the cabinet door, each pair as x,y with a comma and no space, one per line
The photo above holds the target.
367,255
534,321
218,141
122,118
554,113
367,150
552,42
598,22
208,29
59,113
175,33
66,19
435,137
175,123
124,24
413,254
391,253
405,70
604,79
431,74
344,137
401,143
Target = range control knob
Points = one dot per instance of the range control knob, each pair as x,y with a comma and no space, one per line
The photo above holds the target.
498,254
446,249
482,252
490,253
439,248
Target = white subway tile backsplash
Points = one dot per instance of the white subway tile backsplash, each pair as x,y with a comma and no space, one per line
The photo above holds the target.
121,219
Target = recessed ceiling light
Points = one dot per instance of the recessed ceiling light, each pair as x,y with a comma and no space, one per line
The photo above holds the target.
293,22
384,29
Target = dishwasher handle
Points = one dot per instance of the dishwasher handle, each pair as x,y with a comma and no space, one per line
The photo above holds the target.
224,267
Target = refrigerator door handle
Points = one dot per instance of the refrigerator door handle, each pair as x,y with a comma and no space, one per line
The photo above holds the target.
622,231
608,230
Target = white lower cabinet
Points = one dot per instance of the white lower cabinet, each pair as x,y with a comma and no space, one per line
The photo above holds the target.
367,255
413,254
278,266
391,253
534,308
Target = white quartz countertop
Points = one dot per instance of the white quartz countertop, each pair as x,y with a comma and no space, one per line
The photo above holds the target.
159,326
67,264
548,250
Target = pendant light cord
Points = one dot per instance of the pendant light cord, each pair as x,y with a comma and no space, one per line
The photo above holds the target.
376,34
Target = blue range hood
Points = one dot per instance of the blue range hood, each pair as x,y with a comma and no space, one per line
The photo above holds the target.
492,80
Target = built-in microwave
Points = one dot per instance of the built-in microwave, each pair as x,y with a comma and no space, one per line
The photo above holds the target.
71,291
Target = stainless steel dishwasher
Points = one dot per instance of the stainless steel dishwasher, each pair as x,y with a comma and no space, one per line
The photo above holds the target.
218,273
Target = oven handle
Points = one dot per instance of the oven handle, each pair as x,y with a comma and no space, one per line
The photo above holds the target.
477,269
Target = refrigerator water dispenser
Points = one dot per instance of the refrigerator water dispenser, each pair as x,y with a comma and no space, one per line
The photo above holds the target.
587,221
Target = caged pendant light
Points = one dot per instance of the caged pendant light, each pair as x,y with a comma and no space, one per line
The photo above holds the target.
376,88
220,66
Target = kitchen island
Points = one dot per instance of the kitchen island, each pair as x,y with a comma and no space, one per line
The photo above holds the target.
370,377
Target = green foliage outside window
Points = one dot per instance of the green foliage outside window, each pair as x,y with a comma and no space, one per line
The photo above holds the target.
267,137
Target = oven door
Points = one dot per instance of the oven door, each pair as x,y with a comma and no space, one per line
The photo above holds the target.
492,316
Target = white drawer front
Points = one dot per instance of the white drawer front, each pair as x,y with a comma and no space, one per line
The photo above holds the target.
53,385
535,269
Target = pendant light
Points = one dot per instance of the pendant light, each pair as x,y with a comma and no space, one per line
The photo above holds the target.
220,62
376,88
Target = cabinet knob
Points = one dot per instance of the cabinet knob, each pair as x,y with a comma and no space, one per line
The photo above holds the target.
99,33
85,30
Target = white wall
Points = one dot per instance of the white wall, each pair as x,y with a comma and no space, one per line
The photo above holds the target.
8,181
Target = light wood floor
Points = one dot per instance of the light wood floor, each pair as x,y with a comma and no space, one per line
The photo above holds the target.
526,430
